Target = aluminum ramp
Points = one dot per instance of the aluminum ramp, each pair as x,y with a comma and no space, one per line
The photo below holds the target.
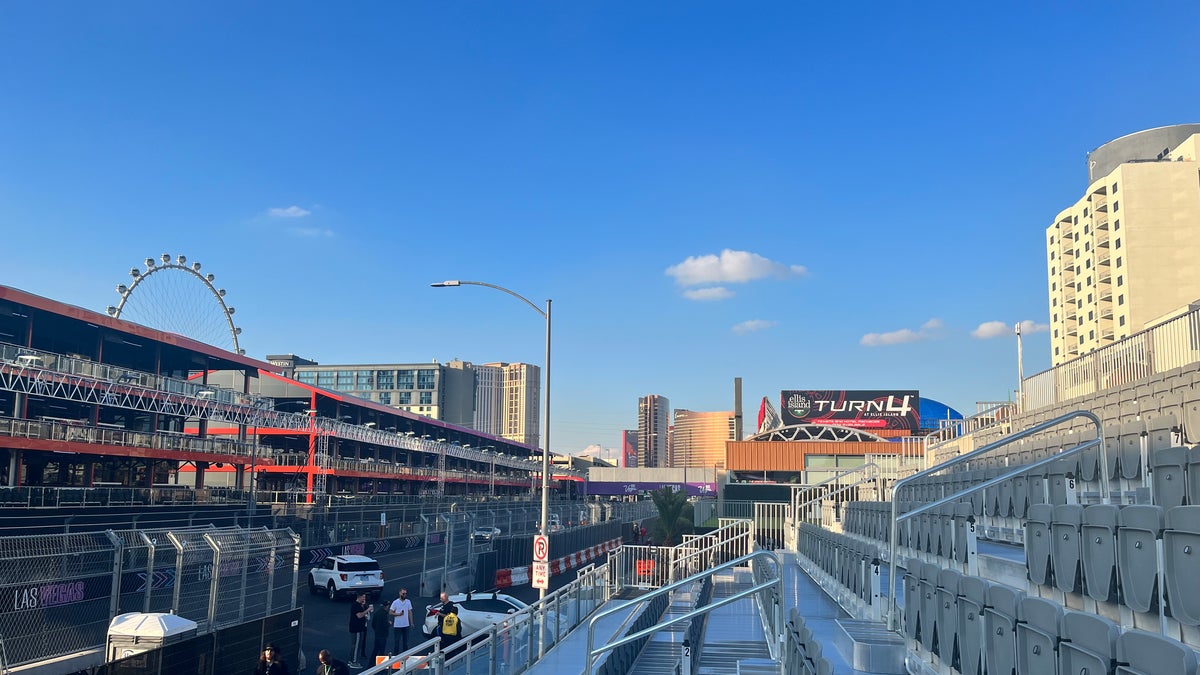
569,656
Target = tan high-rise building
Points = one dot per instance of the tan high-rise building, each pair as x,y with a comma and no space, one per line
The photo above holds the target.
509,395
698,438
654,423
1123,256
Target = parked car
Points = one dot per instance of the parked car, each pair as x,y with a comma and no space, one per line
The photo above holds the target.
477,611
483,535
346,575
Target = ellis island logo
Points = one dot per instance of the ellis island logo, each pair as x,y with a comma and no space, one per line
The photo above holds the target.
800,405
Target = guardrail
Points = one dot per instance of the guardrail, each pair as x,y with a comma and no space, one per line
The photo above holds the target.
776,583
1105,492
1153,351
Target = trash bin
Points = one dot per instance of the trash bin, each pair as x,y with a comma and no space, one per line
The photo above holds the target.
137,632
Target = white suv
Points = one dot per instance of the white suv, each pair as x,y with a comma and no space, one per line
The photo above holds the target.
346,575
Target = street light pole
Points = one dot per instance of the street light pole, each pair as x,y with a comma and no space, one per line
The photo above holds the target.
545,314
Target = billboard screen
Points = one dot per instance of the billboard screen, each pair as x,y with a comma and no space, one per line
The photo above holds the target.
856,409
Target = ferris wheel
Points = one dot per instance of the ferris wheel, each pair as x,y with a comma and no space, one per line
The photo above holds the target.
174,296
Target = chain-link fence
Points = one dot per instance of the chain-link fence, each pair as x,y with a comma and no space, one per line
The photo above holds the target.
59,592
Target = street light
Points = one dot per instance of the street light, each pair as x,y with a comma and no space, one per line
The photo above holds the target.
545,314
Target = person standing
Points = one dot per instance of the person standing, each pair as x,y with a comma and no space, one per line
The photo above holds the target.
271,662
449,627
381,626
330,665
360,612
401,613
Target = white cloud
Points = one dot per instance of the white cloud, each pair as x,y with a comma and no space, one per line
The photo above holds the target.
311,232
994,329
1029,326
288,212
927,331
714,293
730,267
752,326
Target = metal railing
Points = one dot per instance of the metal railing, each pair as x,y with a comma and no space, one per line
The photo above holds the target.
1156,350
806,499
1105,492
776,583
61,591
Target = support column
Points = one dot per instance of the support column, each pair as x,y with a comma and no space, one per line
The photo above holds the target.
14,467
200,467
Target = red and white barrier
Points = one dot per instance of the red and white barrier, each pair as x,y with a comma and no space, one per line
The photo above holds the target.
519,576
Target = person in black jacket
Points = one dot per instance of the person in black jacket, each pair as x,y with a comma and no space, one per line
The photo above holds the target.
329,665
360,614
271,662
450,632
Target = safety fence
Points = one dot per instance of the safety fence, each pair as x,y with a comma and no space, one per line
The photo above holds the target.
1155,351
227,650
59,592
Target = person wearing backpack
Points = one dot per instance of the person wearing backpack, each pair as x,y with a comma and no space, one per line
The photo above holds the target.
449,627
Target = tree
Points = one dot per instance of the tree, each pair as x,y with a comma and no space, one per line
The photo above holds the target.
674,516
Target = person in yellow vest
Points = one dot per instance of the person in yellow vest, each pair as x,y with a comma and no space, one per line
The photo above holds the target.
449,627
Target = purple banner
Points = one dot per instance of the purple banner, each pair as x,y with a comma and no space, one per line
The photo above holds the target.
638,487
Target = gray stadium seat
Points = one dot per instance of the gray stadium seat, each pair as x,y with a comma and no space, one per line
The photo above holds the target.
1089,644
1130,462
1065,548
947,620
1143,653
1037,544
1139,527
1181,552
1169,476
1020,488
1057,474
1037,636
972,599
963,522
1000,620
912,598
929,603
1191,418
1159,431
1098,550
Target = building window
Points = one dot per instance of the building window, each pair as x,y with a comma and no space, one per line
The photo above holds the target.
1054,303
1056,333
1091,316
426,379
1087,245
1052,238
1122,321
308,377
1087,264
1052,255
1118,261
325,379
426,397
404,398
385,379
1075,221
1120,300
1091,335
1114,190
1116,206
1120,281
385,397
1051,270
1117,224
1085,229
366,379
1085,214
1089,297
1056,351
405,379
1055,318
1118,244
1089,280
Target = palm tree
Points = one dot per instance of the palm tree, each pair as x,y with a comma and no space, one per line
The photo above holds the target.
674,516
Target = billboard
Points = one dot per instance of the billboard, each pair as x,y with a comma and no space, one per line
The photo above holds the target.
610,488
865,409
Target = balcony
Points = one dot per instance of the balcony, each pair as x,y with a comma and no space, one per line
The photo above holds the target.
1099,203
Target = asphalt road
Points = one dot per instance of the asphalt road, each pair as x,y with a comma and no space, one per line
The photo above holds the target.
326,623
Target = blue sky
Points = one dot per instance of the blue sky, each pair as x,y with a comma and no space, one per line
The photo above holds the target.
800,195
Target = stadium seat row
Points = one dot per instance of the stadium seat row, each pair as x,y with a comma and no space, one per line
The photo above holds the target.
802,652
971,624
1110,553
851,562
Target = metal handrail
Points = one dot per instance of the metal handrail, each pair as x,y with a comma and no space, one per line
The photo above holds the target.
1105,492
797,507
777,582
720,543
